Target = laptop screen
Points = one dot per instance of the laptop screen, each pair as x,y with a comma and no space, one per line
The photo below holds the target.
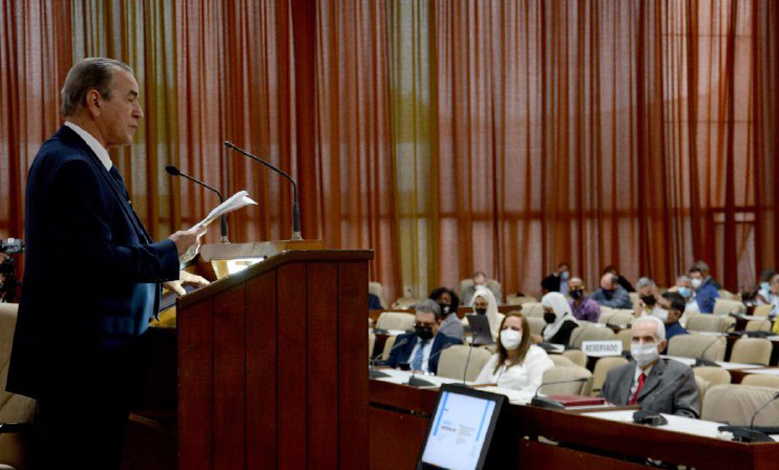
461,429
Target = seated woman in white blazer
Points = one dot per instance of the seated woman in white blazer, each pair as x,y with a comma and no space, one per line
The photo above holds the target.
518,364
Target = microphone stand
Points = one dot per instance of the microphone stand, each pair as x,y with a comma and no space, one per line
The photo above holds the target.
467,362
750,434
173,171
296,230
546,402
702,361
416,381
377,374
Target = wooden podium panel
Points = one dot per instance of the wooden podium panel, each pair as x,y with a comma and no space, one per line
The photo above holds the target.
272,366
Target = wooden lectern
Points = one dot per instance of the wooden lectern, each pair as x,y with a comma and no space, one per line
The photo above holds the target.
272,365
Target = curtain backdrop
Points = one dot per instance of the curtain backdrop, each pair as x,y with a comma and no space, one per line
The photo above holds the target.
448,136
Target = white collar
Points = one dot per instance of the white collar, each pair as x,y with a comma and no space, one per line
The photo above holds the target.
640,371
97,147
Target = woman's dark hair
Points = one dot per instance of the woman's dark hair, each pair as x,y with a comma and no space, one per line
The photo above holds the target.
438,292
524,344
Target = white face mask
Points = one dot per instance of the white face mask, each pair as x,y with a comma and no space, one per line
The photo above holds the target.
510,339
696,283
661,313
644,354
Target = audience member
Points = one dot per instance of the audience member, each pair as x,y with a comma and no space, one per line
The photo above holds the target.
773,295
674,309
583,307
706,288
374,303
560,322
763,295
621,280
447,303
518,364
611,294
484,304
446,299
557,281
658,385
648,296
420,350
480,280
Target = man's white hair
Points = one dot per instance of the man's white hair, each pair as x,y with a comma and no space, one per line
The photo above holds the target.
645,282
659,326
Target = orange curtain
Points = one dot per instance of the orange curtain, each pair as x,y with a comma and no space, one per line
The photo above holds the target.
448,136
35,45
635,133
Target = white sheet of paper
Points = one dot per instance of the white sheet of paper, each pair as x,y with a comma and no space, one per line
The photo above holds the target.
234,202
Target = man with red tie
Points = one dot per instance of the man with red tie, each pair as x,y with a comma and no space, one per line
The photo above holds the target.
655,384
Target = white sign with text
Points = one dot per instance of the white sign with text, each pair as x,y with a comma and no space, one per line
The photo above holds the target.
602,348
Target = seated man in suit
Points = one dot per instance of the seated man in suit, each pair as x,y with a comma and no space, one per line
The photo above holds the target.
657,385
676,304
421,349
611,294
480,280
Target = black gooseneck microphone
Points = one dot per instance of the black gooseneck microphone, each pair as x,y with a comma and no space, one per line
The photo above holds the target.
701,361
296,233
753,433
173,171
415,381
546,402
373,373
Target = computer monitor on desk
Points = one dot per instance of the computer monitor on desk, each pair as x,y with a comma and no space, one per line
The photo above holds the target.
462,429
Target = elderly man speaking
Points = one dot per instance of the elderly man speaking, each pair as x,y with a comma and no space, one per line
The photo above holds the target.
657,385
92,276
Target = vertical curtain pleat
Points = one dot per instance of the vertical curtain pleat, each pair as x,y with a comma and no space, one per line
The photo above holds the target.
448,136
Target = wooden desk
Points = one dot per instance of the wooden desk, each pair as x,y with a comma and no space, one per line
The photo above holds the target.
399,418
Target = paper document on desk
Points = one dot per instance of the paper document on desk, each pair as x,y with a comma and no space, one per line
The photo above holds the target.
234,202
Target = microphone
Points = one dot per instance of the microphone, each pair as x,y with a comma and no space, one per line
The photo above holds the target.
467,362
702,361
173,171
752,434
296,234
546,402
416,381
752,421
377,374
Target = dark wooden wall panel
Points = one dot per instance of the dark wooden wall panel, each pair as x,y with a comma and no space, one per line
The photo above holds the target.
353,373
229,380
195,370
261,381
395,439
322,366
292,370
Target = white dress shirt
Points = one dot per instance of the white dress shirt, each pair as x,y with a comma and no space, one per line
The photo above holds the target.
524,377
97,147
425,353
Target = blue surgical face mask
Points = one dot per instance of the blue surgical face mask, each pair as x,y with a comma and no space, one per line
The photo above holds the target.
765,286
685,292
564,275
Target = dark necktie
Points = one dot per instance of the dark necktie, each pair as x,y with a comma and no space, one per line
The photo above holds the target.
123,191
118,177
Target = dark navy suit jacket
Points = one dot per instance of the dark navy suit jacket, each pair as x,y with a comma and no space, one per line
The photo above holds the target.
92,273
403,353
